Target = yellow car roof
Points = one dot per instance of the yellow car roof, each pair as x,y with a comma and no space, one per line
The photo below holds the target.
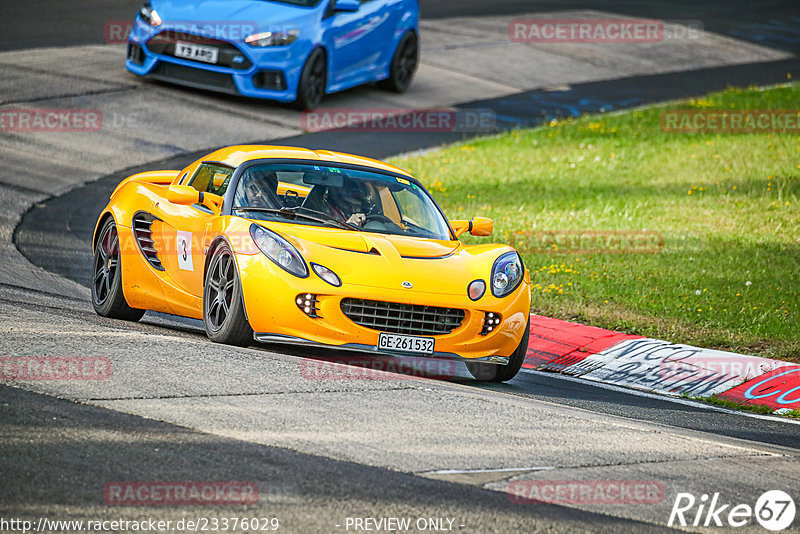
236,155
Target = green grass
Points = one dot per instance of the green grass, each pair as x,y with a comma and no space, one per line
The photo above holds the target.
716,400
733,405
727,205
752,408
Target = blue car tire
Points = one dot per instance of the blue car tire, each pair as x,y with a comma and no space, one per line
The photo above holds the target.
404,64
313,80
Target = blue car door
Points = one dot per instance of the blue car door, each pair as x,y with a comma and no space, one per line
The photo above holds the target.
358,41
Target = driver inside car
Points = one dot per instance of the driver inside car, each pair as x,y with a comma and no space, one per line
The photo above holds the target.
347,203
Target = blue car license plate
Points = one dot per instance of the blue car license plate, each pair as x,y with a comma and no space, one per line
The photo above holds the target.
207,54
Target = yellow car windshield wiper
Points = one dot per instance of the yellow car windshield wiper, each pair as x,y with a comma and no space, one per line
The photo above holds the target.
293,213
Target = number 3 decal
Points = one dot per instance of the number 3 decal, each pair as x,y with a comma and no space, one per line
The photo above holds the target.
184,242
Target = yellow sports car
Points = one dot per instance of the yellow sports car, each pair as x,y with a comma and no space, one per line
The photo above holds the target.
279,244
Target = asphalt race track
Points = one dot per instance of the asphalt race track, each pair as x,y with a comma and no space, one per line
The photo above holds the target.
81,21
179,408
57,236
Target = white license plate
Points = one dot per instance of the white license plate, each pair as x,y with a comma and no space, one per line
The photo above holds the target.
207,54
418,345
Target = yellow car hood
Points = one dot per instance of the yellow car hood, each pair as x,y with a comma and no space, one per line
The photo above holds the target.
387,261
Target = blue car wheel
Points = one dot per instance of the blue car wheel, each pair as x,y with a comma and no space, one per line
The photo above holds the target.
404,65
313,80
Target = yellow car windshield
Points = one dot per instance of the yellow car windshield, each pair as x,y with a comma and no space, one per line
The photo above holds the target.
358,199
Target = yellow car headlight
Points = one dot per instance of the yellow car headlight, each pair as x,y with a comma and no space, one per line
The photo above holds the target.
280,251
506,274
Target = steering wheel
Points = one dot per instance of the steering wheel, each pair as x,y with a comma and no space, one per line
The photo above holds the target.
378,217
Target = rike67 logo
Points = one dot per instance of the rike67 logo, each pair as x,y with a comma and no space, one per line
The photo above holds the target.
774,510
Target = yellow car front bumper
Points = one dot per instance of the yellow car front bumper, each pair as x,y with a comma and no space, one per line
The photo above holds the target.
270,297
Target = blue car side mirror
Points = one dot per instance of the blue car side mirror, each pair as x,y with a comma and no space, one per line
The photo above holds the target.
347,5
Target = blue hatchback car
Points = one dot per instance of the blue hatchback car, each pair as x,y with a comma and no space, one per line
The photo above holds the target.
286,50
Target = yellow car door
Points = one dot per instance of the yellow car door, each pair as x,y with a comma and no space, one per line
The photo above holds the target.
184,229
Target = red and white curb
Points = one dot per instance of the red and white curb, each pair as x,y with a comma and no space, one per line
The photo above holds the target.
659,366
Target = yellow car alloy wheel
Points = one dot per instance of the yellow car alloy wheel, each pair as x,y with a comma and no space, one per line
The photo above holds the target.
107,296
223,311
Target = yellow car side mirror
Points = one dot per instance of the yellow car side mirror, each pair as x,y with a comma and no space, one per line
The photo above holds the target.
481,226
477,226
186,196
183,195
